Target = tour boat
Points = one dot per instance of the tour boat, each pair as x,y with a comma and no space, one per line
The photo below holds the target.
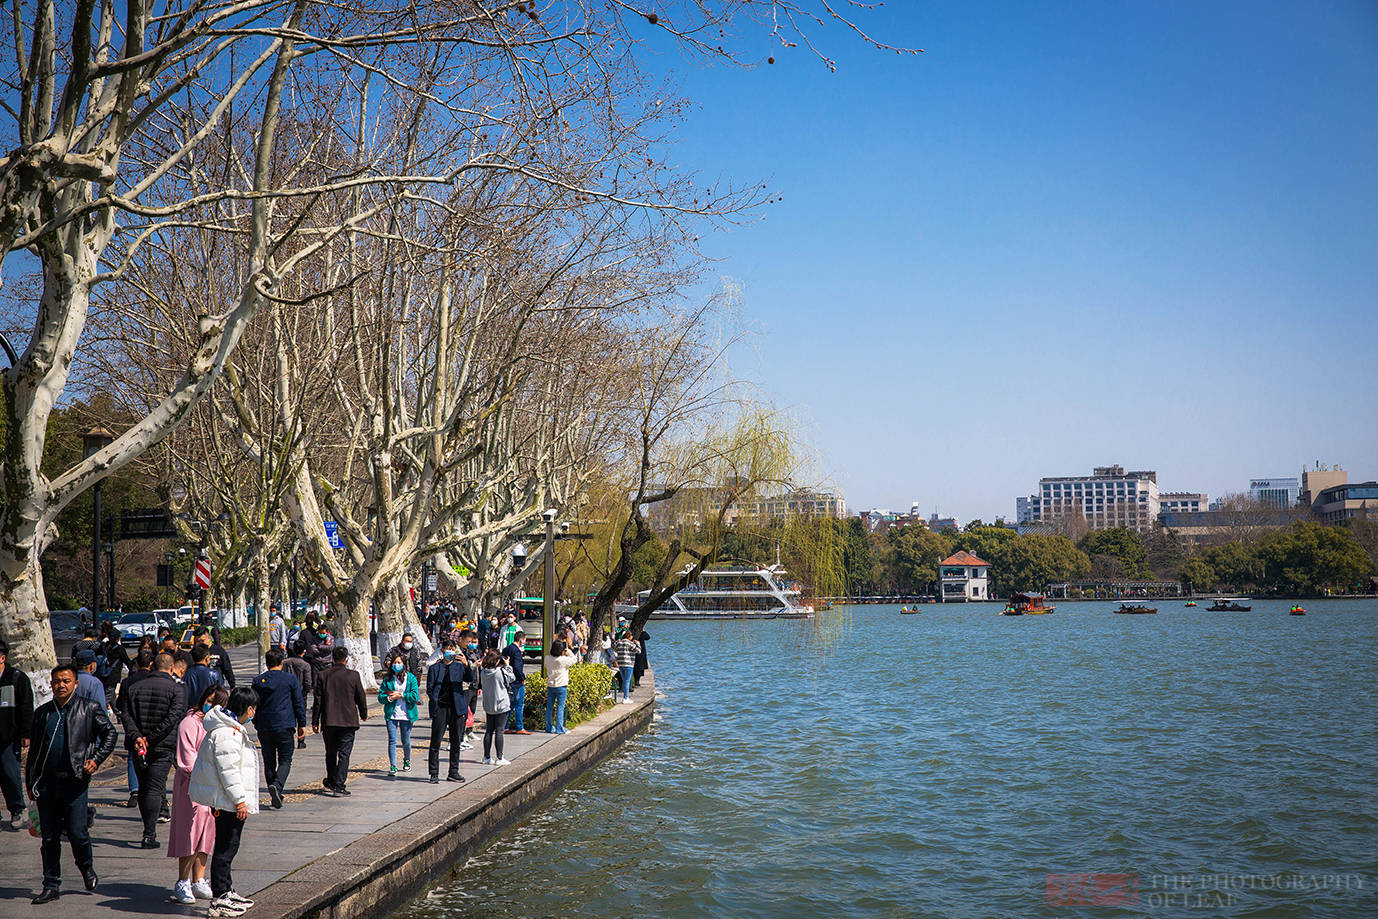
1296,611
1026,605
735,591
1136,610
1229,605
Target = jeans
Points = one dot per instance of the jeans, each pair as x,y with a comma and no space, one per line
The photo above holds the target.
228,827
518,707
278,747
152,786
493,726
555,697
133,775
10,782
444,720
398,729
62,806
626,681
339,743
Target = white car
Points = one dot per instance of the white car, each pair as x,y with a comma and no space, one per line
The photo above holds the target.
134,626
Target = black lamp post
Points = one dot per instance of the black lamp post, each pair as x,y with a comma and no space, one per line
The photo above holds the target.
92,442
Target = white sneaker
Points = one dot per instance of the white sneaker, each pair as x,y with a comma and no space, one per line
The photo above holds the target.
237,899
182,893
225,908
202,889
503,762
465,745
488,761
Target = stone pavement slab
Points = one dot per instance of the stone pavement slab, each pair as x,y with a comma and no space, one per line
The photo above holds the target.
276,843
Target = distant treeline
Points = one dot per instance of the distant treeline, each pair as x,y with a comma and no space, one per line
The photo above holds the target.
1303,559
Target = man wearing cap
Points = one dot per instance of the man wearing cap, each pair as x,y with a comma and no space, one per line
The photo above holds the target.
89,685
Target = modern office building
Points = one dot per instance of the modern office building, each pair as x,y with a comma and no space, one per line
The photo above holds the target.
1319,479
962,577
1182,502
1356,501
1108,497
1279,492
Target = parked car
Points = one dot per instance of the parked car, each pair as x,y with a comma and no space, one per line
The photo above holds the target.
134,626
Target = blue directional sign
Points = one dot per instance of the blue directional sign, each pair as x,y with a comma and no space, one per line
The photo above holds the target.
332,533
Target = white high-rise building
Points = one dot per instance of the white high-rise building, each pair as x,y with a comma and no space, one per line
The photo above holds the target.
1109,497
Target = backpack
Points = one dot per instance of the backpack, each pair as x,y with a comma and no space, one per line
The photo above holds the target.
103,665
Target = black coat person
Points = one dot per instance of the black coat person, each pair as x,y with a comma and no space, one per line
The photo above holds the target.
642,665
72,736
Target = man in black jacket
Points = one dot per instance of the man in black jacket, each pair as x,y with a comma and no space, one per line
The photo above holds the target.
16,716
219,658
155,707
72,737
447,685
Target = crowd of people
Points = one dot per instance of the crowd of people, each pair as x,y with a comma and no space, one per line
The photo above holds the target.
182,713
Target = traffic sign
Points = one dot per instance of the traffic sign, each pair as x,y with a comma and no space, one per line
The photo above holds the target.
202,575
332,533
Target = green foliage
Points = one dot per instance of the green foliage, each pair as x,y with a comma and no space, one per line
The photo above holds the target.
646,562
1195,574
1305,559
1036,559
588,684
242,635
916,553
1123,545
990,543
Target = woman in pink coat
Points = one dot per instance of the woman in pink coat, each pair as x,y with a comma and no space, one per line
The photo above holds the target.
191,837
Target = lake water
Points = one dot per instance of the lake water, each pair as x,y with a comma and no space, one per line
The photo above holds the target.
946,764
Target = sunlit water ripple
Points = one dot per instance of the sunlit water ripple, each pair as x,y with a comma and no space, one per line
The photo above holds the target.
944,764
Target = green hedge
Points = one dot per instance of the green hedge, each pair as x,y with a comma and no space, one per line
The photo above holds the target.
241,636
588,684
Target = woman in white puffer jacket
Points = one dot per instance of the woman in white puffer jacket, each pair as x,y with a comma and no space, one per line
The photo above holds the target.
225,779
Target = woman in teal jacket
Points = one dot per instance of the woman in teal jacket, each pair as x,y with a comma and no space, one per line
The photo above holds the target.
399,693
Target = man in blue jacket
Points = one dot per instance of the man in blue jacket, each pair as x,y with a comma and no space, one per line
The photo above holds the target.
280,721
199,676
447,686
513,653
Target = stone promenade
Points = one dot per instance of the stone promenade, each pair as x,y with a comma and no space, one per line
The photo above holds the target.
299,860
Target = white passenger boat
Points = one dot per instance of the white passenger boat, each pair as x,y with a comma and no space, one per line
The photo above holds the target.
735,591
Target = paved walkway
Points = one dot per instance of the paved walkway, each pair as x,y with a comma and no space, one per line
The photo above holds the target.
275,842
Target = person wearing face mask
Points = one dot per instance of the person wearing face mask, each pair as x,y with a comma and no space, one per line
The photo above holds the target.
280,722
412,658
320,646
225,779
472,652
398,693
447,684
191,835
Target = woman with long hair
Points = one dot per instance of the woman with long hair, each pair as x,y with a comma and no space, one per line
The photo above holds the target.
557,664
497,679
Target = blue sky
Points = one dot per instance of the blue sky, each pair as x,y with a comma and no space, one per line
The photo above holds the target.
1066,235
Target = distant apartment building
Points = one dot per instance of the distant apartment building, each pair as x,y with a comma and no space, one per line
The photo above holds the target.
1182,502
962,577
883,519
1278,492
801,502
936,523
1023,511
1109,497
1338,503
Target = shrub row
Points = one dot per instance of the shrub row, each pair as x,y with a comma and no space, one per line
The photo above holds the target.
588,684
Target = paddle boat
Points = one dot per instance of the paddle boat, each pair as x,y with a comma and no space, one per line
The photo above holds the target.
1191,603
1296,611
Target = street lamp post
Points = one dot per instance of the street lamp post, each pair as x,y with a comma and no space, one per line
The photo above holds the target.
92,442
548,601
